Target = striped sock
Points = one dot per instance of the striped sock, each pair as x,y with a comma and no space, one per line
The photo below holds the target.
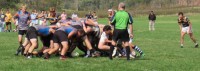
138,49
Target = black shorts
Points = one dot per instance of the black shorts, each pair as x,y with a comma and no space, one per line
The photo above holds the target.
59,36
8,23
46,40
122,35
22,32
31,33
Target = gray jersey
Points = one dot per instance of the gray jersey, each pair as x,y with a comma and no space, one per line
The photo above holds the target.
23,20
73,23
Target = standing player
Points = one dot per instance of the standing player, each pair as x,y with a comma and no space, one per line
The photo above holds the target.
23,18
152,18
185,28
8,21
121,20
2,21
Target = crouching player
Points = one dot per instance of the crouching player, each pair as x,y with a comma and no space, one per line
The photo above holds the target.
61,38
104,39
32,34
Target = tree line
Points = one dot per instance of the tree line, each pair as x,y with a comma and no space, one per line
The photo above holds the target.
85,5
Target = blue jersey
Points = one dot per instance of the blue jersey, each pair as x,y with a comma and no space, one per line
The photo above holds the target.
67,29
42,30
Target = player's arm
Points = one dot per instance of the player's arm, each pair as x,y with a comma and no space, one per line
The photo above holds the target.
179,23
29,19
112,20
190,24
130,26
108,41
90,22
71,34
65,24
40,16
53,26
87,42
84,27
15,17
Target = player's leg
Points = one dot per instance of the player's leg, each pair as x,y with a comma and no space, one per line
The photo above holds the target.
102,46
20,36
193,39
182,38
26,49
137,48
10,27
7,26
153,25
125,39
34,45
51,51
64,50
150,25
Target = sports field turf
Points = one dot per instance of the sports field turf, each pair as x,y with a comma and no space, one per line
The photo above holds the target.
161,47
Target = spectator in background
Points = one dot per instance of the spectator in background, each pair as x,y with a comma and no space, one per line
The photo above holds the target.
33,18
110,14
41,17
152,18
63,15
95,17
52,16
2,21
8,21
63,18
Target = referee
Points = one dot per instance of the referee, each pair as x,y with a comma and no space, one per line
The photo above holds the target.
121,20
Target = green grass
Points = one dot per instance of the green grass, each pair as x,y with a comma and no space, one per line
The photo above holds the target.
161,47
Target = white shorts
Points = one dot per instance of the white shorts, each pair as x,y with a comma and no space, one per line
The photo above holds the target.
186,30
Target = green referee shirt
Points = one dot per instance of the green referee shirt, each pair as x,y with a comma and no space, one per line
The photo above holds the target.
121,19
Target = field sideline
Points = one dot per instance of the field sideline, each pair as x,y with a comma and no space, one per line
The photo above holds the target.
161,47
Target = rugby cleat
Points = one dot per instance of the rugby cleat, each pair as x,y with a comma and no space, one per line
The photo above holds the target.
62,57
46,56
197,45
18,50
142,55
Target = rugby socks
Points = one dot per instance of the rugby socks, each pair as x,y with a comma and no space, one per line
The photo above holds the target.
196,45
111,51
138,49
92,51
19,49
22,49
128,52
119,48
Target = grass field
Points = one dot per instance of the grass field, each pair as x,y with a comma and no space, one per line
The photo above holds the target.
161,47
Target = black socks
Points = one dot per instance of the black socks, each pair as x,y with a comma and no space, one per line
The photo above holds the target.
128,52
